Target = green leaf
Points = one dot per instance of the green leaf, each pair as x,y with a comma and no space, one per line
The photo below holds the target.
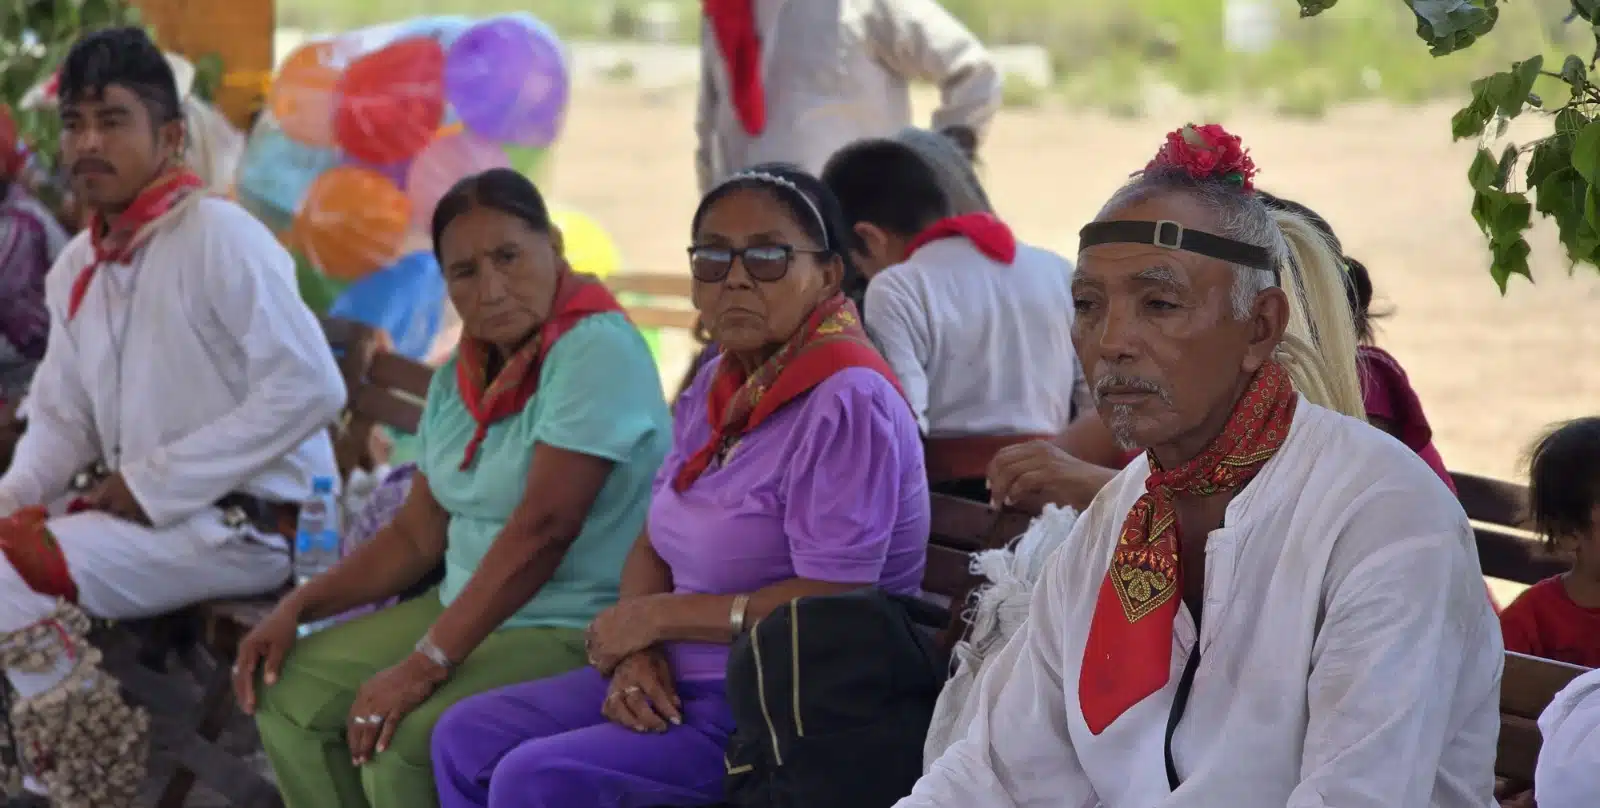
1574,71
1570,122
1510,258
1483,172
1515,215
1508,161
1523,75
1548,156
1586,152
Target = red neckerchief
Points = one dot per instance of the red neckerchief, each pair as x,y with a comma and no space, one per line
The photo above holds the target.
985,230
832,339
577,297
32,550
11,155
116,241
1128,655
733,23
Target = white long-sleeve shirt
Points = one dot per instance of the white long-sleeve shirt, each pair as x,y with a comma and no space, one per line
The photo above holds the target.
980,347
198,359
836,71
1349,658
1568,775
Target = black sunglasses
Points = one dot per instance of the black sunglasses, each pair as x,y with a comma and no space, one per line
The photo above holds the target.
765,262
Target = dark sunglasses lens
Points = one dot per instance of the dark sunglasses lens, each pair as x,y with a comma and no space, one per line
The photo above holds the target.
766,263
709,265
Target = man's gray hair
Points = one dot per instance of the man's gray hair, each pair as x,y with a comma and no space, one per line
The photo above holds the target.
1240,216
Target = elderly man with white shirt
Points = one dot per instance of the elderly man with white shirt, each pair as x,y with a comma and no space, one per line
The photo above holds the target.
1282,606
182,406
791,81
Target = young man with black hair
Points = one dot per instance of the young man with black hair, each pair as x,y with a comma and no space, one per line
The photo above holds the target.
180,409
976,325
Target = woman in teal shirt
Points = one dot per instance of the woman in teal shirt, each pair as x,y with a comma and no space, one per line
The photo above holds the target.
538,446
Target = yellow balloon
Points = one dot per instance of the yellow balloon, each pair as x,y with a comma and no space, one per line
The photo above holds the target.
589,248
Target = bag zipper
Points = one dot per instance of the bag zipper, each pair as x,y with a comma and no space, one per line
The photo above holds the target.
794,661
761,693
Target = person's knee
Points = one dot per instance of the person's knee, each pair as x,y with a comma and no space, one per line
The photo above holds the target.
301,697
540,774
452,744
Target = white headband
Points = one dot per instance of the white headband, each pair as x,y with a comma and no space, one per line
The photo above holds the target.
773,179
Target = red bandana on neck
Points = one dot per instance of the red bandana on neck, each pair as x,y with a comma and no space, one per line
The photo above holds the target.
1128,655
831,340
733,23
577,297
985,230
117,239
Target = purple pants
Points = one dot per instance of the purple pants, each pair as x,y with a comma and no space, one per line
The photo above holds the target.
545,744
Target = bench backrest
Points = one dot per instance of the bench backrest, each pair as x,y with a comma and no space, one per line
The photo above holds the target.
656,299
1528,686
961,527
383,389
1498,510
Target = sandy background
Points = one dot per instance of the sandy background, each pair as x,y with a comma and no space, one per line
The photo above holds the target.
1491,370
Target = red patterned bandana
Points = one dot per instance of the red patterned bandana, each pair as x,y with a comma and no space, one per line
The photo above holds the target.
832,339
577,296
32,550
116,240
1128,656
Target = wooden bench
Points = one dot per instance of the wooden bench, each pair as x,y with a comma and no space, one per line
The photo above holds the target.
1526,690
960,528
662,299
1506,550
195,704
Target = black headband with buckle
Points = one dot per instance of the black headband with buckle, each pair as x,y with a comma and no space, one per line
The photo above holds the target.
1173,236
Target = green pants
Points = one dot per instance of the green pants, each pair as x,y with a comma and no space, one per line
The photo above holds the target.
304,715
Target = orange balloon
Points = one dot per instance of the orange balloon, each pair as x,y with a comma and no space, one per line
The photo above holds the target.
302,96
353,221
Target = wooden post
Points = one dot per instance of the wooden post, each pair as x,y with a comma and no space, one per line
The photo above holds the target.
237,31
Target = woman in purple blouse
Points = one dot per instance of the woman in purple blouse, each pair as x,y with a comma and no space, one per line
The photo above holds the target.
796,469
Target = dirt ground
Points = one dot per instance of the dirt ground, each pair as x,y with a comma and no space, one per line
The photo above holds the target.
1491,371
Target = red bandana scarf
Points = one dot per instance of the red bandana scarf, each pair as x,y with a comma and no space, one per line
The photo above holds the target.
116,240
1128,656
33,552
733,23
986,232
832,339
577,297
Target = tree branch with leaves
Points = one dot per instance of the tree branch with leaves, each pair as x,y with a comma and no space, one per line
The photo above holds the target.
1559,173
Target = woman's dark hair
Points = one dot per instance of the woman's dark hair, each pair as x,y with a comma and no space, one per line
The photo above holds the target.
885,183
807,191
124,57
1358,286
501,189
1564,479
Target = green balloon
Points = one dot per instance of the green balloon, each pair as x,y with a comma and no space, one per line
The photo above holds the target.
316,289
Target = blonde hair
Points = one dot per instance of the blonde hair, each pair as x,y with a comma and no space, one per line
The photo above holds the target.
1319,344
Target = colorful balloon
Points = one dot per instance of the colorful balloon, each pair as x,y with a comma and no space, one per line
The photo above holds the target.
442,164
588,248
275,173
301,97
352,222
405,299
389,103
507,79
529,162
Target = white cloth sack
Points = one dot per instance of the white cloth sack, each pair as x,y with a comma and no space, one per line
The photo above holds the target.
1568,775
998,609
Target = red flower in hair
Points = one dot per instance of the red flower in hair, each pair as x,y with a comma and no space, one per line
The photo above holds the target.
1206,152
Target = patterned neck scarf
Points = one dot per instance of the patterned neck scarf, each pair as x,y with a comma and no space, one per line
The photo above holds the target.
1128,656
577,297
117,239
832,339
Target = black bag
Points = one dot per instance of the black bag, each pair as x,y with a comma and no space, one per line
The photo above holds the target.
831,697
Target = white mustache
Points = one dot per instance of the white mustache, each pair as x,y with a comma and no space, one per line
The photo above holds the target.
1105,383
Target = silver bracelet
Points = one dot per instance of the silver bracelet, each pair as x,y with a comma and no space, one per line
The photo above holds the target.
434,653
741,603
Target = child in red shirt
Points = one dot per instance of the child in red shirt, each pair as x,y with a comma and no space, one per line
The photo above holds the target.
1559,617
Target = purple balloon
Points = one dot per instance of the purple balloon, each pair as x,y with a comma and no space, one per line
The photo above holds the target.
507,80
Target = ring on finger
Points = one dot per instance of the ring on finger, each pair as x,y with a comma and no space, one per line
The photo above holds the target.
632,689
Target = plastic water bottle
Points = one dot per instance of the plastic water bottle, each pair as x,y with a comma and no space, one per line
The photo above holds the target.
316,541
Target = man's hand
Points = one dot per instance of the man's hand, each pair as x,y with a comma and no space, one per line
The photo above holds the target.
112,496
1028,476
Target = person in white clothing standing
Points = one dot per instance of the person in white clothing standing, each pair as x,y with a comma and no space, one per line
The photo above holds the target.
180,411
1281,607
790,81
977,326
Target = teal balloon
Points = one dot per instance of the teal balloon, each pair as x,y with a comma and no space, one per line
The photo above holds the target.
276,172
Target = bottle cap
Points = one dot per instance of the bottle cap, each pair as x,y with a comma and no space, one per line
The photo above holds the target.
321,485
